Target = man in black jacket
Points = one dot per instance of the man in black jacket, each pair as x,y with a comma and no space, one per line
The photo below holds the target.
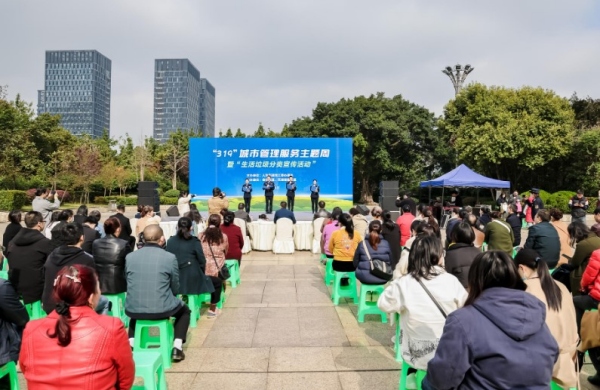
543,238
26,254
515,223
125,224
13,318
90,234
269,187
68,254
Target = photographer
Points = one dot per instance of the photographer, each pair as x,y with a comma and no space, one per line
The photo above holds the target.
41,203
218,202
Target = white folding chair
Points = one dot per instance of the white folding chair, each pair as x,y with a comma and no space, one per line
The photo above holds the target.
284,236
247,244
316,244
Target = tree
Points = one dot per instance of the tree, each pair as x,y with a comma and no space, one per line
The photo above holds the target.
393,139
587,111
507,133
239,134
106,176
260,132
86,166
175,153
228,134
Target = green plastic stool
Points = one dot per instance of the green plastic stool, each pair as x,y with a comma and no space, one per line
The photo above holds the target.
194,302
118,307
10,369
206,298
340,291
234,271
4,269
329,276
164,341
404,374
35,310
4,275
367,307
397,346
554,386
484,247
149,366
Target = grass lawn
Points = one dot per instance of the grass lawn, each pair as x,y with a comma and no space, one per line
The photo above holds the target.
302,203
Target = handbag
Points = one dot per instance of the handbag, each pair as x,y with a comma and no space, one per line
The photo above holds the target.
379,268
562,274
433,299
590,331
224,270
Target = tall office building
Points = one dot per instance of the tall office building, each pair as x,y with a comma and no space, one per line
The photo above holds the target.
77,86
207,108
176,97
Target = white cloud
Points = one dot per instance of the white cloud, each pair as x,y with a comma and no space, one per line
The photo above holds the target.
272,61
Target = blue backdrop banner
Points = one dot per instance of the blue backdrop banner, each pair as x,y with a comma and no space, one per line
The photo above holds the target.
227,162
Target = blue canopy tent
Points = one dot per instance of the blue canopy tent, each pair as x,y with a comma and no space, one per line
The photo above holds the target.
464,177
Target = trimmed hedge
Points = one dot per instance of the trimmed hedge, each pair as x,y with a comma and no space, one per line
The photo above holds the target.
171,194
12,200
168,200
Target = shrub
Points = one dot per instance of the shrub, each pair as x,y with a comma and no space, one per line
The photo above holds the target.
560,200
168,200
171,194
12,200
126,200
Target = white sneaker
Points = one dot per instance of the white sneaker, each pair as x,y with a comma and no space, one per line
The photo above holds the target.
411,381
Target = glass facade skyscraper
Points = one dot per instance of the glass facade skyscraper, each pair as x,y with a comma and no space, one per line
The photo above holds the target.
176,97
207,108
77,86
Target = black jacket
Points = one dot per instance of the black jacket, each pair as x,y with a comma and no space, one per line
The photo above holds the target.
411,203
484,219
26,255
56,237
269,187
458,261
515,223
109,256
59,258
11,231
192,264
13,318
125,226
89,236
543,238
392,236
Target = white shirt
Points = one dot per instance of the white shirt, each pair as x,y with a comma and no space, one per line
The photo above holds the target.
421,321
183,205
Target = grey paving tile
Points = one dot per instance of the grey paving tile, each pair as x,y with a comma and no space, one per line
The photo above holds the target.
303,381
369,380
318,313
280,298
267,338
230,381
301,359
235,360
237,314
277,325
278,313
194,356
243,300
249,287
318,297
180,380
231,339
256,269
254,276
364,358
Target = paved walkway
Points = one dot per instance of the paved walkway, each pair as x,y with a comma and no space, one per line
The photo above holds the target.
279,330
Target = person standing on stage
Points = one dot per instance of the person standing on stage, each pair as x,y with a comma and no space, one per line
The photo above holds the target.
291,192
269,186
314,196
247,190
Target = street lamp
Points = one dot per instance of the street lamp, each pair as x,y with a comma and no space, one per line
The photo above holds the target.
458,75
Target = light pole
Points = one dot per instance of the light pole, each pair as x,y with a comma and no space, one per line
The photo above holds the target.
458,75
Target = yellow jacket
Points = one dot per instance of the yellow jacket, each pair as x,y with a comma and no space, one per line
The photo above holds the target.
342,246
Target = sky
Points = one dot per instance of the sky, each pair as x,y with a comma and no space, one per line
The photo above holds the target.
273,61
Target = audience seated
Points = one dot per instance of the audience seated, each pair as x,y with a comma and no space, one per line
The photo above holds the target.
515,222
152,287
90,233
81,214
283,212
404,221
421,319
74,347
126,231
64,217
343,244
543,238
566,251
109,256
27,254
147,217
461,252
190,259
586,243
499,234
391,232
12,228
321,212
99,227
361,225
241,213
13,318
330,225
378,249
215,246
560,312
234,237
499,339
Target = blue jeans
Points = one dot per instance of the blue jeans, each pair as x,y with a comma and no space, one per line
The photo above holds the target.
102,306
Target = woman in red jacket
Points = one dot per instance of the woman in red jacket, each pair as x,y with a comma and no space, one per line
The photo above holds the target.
234,235
75,348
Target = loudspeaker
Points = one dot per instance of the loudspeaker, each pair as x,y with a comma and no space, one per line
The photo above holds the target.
388,203
146,193
173,211
388,189
388,184
147,185
364,210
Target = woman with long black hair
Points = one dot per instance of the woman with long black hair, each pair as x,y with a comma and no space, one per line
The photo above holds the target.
215,246
499,339
560,312
391,232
